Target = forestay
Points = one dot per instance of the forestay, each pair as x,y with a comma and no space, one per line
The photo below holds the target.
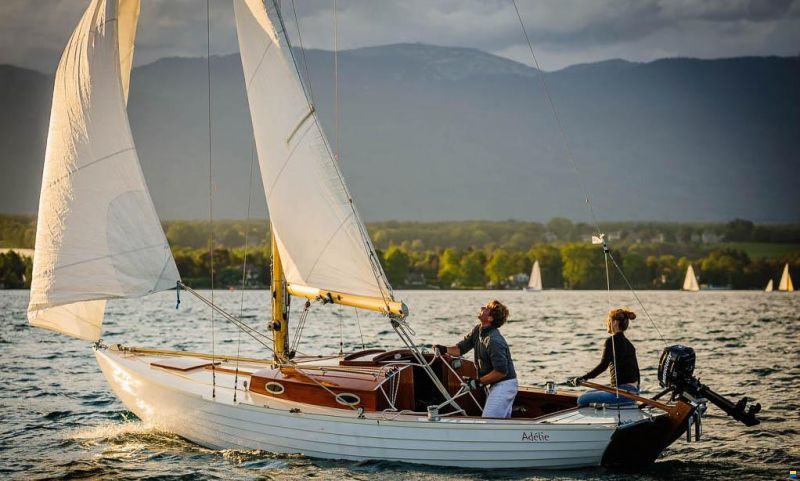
98,235
321,240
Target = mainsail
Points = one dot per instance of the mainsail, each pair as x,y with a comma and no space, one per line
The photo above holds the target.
321,239
786,280
769,286
535,283
98,235
690,281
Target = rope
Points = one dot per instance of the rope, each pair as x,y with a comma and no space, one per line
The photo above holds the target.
571,158
210,197
636,296
562,131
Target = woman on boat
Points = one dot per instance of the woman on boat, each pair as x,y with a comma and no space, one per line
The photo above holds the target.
620,355
493,359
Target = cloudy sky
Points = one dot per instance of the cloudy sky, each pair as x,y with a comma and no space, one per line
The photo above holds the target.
564,32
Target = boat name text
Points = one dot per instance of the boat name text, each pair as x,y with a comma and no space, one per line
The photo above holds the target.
538,437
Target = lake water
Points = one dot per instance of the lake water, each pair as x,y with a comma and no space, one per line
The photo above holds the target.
59,418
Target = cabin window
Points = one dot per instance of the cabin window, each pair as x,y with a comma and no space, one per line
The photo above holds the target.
274,387
348,399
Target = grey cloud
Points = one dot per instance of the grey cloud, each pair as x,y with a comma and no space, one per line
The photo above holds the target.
33,32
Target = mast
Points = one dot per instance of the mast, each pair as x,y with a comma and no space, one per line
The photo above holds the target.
280,314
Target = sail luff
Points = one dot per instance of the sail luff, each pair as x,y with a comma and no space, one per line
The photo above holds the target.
98,235
320,236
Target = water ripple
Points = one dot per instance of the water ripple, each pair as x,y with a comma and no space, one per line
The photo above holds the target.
60,420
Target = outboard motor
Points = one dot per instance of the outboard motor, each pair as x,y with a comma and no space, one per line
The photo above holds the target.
676,374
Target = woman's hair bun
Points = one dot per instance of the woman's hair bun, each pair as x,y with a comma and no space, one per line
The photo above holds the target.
622,314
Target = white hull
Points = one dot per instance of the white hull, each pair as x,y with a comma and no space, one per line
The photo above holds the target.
182,403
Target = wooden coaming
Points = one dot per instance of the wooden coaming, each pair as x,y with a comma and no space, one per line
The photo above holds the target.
319,386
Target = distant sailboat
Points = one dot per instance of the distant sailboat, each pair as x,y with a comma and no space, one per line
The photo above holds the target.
769,286
786,280
535,283
690,281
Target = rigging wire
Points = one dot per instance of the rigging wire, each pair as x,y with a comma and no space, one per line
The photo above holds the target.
571,157
258,336
303,53
337,139
210,198
358,322
244,263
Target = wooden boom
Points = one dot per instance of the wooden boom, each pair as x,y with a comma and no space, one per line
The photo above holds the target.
362,302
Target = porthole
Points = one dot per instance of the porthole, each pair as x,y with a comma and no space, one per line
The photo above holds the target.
348,399
274,387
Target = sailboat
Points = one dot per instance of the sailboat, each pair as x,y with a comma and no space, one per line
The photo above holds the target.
690,281
99,238
535,282
786,280
769,286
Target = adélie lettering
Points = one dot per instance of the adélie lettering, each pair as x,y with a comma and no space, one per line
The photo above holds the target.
537,437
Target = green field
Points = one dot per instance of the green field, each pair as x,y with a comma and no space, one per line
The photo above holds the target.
760,250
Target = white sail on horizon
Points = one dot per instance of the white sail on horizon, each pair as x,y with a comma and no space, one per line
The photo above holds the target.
769,286
98,235
690,281
786,280
535,282
321,239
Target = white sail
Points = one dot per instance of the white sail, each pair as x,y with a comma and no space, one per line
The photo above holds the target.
535,283
321,240
786,280
690,281
98,235
769,286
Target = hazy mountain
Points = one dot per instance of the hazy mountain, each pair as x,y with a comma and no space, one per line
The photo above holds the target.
430,133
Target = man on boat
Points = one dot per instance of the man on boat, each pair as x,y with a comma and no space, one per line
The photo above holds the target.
492,358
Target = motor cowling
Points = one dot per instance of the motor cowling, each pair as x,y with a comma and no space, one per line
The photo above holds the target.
676,367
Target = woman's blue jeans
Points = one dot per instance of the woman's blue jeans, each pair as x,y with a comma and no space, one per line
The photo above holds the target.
602,397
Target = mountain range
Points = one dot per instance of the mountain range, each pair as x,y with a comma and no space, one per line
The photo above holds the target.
443,133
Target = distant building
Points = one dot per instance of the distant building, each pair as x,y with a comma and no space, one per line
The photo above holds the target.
709,237
519,280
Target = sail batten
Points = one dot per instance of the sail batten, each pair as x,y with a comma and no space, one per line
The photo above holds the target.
98,235
320,237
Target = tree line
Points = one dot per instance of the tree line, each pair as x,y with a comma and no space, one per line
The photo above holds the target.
481,254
